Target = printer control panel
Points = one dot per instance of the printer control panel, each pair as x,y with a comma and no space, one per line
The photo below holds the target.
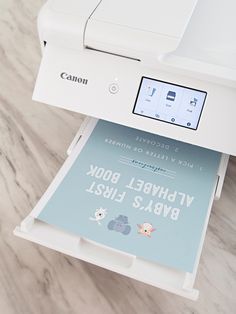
131,93
169,102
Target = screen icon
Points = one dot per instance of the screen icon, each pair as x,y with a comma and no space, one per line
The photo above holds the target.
151,91
193,102
171,96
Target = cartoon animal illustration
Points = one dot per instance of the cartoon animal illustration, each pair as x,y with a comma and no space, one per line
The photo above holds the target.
99,215
120,224
146,229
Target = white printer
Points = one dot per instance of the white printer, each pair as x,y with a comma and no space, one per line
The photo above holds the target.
101,56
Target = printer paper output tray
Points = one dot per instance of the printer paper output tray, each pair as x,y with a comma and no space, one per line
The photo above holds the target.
31,228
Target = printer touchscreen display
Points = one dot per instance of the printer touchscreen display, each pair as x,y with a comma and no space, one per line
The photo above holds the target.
170,103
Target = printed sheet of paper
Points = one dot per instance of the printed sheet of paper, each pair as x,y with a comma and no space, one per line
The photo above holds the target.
139,193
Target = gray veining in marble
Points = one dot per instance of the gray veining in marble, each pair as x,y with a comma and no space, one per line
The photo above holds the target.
33,142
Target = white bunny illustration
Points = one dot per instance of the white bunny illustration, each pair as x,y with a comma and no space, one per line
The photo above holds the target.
99,215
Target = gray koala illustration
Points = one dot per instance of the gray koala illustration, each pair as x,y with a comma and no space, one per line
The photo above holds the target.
120,224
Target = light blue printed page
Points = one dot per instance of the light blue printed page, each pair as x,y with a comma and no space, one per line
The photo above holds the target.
137,192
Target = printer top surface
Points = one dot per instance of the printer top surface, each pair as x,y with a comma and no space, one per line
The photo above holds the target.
165,17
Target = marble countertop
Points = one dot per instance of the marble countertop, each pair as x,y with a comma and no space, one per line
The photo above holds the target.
33,142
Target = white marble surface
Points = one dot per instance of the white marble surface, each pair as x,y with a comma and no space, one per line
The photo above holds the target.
33,141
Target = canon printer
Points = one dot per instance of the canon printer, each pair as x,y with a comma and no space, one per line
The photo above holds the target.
99,56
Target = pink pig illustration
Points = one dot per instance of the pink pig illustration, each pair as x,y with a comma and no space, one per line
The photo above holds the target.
145,229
